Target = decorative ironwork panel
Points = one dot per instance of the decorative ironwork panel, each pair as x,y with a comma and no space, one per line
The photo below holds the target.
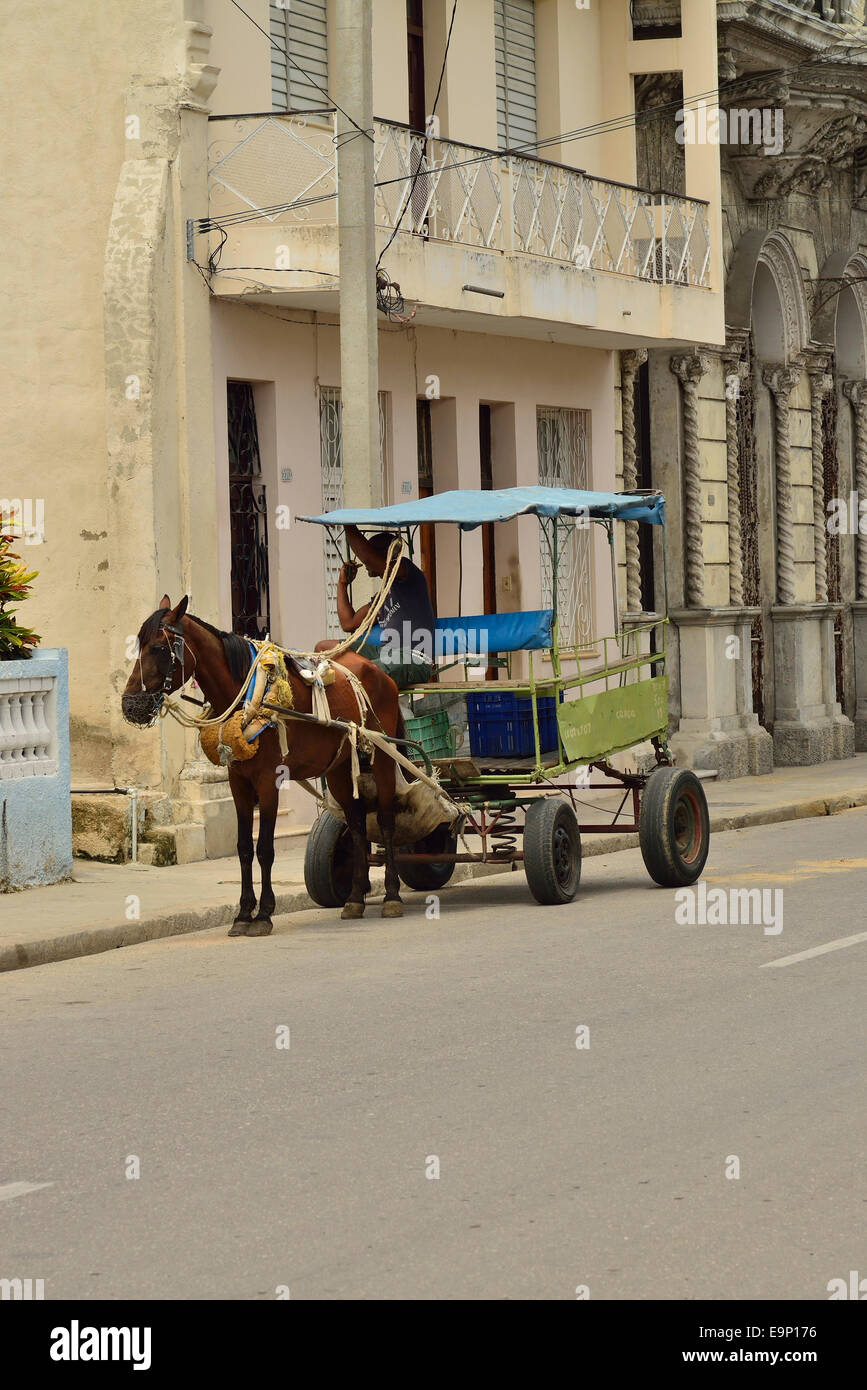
279,160
597,225
452,194
562,444
331,464
248,515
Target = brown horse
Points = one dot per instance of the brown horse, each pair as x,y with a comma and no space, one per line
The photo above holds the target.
173,647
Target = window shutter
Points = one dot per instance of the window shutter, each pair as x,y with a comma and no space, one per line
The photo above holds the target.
301,31
515,47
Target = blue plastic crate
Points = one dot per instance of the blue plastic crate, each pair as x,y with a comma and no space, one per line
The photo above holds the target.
501,724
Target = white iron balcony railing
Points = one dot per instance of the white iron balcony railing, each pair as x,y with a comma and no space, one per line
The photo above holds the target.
448,192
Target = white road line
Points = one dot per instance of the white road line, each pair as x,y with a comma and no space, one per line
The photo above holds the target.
20,1189
819,950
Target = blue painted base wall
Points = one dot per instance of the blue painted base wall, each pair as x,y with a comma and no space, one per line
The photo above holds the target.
36,811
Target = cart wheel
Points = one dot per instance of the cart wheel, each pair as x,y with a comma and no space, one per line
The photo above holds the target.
552,851
429,876
328,861
674,826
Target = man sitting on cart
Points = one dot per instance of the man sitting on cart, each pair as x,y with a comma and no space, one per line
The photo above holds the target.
406,618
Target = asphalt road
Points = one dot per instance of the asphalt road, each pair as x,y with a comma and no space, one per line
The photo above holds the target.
266,1167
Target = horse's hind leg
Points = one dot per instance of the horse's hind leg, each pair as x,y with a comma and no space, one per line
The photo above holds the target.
244,797
268,801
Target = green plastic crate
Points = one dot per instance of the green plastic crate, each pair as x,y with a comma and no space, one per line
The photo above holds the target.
433,733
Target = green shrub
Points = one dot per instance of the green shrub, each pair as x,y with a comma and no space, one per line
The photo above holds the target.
15,584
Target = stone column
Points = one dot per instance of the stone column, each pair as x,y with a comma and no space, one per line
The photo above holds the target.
736,370
781,381
821,382
630,362
856,393
689,369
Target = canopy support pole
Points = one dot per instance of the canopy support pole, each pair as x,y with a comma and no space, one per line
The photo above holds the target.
609,526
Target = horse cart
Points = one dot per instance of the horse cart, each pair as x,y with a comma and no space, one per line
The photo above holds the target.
545,720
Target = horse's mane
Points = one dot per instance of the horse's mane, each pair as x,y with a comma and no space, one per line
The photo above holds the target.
236,649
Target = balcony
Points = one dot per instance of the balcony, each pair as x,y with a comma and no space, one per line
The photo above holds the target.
497,242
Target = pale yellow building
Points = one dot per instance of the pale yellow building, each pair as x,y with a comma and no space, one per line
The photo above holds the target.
173,365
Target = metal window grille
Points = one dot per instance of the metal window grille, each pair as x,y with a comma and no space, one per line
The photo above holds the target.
331,464
300,30
515,52
562,443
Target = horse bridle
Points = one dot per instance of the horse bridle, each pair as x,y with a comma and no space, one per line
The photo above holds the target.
177,657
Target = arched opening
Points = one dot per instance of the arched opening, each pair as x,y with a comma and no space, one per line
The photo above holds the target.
766,309
768,324
848,331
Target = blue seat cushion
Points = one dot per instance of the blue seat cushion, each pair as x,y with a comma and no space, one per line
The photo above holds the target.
489,632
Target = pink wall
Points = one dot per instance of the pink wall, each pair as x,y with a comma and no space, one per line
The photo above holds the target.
289,358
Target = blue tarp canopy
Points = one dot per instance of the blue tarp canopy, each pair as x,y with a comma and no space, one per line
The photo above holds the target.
471,509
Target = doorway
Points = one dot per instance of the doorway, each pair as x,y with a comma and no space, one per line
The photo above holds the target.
489,553
248,513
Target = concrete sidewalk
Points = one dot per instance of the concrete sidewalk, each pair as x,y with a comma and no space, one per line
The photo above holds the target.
111,905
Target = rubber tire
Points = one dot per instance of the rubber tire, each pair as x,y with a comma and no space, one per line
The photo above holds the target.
550,831
670,795
427,878
328,861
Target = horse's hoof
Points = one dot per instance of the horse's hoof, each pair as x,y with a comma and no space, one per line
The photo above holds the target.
392,908
240,926
351,911
260,926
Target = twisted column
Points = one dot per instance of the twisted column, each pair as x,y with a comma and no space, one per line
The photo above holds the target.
856,393
736,371
689,369
781,382
821,382
630,361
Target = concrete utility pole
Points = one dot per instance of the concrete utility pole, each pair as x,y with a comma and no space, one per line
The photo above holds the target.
359,352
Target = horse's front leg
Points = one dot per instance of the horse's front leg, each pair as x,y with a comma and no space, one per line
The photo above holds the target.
356,817
268,802
244,797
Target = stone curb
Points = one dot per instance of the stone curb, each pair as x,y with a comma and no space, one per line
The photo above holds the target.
23,954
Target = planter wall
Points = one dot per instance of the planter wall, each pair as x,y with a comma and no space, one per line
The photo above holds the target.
35,810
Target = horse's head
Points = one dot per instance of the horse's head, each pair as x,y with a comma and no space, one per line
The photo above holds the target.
159,665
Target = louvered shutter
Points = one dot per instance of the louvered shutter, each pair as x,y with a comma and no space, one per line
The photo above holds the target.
515,46
302,32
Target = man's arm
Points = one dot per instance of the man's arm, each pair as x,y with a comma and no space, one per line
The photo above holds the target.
368,555
350,618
